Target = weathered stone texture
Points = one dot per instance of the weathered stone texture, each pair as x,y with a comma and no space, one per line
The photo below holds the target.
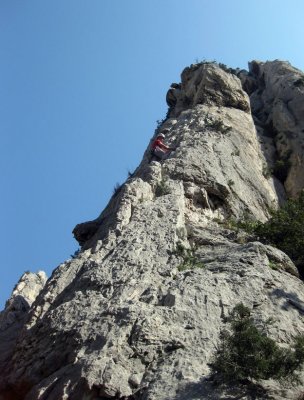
13,317
277,106
206,84
123,320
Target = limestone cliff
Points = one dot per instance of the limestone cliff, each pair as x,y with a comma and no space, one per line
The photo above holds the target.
126,318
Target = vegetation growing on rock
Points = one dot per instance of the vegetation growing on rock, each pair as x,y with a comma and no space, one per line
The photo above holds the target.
216,124
190,261
248,353
285,230
162,188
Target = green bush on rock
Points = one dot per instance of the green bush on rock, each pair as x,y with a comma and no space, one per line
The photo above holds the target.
190,261
285,230
162,188
247,353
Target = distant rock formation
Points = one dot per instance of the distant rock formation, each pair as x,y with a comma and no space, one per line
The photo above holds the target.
129,317
13,318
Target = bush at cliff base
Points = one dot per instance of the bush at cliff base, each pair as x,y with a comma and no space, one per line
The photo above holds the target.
247,353
285,230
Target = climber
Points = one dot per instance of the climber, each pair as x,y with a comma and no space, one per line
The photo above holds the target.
159,149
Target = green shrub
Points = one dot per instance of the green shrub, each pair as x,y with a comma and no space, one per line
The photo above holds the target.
76,253
285,230
299,82
247,353
266,171
130,174
190,261
204,62
224,67
274,265
117,189
247,224
162,188
159,123
221,65
281,167
216,124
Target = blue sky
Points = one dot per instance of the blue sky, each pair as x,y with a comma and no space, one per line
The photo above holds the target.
82,84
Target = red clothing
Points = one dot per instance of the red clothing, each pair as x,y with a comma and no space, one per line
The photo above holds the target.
159,143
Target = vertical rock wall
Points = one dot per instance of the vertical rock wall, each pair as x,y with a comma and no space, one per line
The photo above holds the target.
276,93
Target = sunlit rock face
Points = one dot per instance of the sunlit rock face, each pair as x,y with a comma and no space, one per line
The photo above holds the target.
130,317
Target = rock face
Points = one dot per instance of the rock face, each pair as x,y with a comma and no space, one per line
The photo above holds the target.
129,318
16,311
277,107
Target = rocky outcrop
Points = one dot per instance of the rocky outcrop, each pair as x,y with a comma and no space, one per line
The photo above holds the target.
206,83
277,107
13,317
130,317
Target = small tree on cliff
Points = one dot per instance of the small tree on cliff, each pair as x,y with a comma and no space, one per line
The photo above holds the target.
247,353
285,230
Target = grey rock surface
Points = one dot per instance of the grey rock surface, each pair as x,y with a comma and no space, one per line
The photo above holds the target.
13,317
277,106
126,319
